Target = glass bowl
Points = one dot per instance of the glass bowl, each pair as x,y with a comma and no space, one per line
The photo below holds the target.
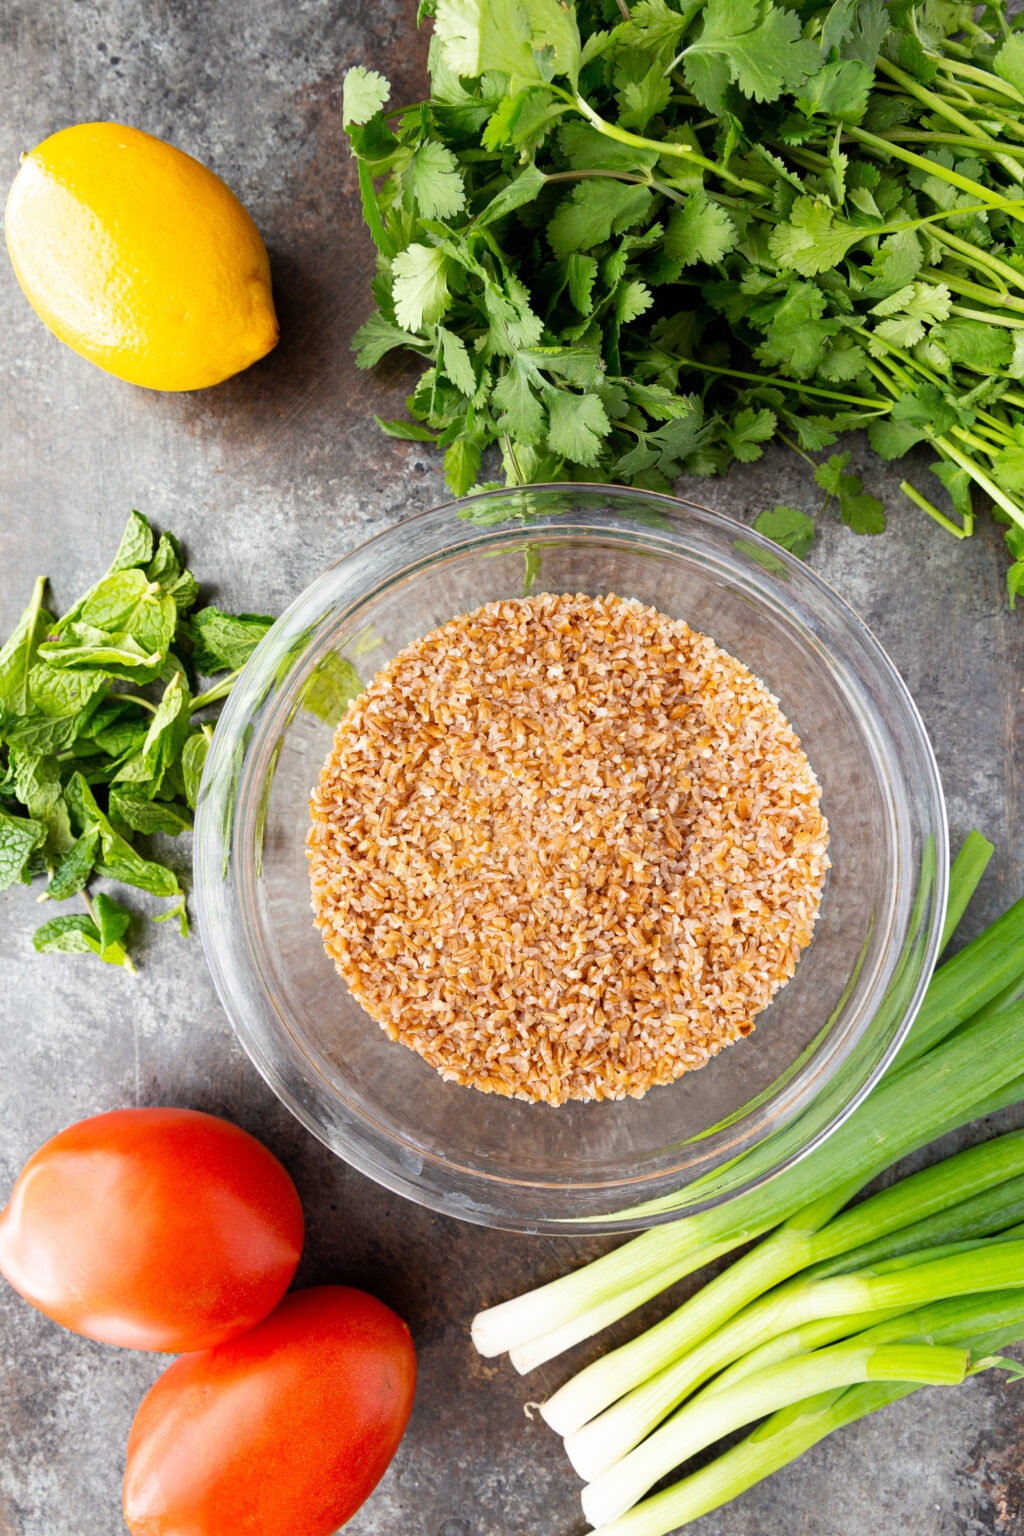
612,1166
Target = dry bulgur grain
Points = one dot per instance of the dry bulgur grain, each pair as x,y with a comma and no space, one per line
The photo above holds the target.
565,848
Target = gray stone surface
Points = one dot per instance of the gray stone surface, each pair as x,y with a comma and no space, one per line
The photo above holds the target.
268,478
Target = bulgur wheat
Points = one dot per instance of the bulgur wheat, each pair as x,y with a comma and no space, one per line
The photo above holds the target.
565,848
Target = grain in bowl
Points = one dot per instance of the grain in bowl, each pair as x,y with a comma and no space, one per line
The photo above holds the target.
565,847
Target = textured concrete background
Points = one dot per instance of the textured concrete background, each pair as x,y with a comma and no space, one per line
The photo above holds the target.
267,478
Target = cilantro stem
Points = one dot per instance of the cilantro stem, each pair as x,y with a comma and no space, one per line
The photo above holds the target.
957,140
982,480
988,317
982,258
933,511
775,381
930,99
988,200
971,439
983,77
680,151
805,456
510,452
972,290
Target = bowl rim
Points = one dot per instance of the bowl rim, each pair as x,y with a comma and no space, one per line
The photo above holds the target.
404,1180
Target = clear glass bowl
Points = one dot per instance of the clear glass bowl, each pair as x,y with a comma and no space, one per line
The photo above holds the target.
816,1051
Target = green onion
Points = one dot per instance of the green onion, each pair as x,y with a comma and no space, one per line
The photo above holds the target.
904,1283
711,1416
981,1323
950,1085
968,867
803,1241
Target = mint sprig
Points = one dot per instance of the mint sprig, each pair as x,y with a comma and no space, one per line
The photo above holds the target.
100,741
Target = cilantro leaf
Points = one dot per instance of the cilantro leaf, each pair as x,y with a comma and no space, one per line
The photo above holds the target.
376,337
788,527
812,240
462,466
421,286
433,178
594,211
700,230
1009,61
758,47
582,271
839,89
455,361
508,35
522,414
576,425
859,511
363,93
913,418
747,431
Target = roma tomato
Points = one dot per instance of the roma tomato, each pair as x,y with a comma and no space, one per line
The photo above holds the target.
160,1229
283,1432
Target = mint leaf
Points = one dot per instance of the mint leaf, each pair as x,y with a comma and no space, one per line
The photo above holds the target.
20,837
79,935
37,786
117,858
332,687
363,94
224,641
193,760
19,651
787,527
73,871
136,546
142,814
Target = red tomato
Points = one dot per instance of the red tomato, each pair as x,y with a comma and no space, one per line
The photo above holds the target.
283,1432
153,1228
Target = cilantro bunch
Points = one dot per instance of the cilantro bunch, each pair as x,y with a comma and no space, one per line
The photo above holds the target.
103,735
633,238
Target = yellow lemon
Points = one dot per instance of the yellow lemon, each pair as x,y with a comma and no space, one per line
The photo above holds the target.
140,258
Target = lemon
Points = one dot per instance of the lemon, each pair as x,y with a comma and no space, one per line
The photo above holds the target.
139,258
